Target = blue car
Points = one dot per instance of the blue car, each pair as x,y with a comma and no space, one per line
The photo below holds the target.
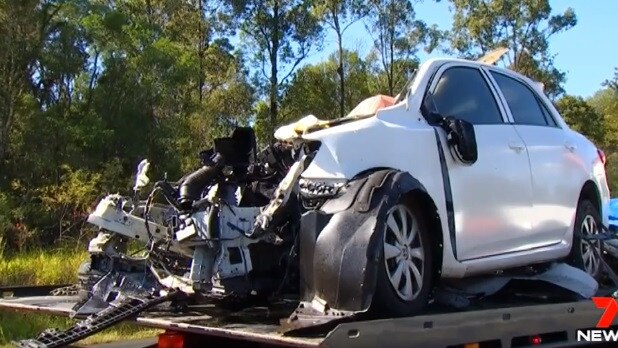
613,214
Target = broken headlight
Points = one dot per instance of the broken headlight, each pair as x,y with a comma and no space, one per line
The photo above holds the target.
320,188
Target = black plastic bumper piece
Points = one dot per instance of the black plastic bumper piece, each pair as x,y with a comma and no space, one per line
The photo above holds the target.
341,242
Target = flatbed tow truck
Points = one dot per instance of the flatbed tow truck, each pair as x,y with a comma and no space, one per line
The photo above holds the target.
520,323
522,314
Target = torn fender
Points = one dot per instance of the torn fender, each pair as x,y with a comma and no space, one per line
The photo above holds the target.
341,243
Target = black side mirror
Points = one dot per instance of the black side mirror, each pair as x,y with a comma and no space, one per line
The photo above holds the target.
460,133
429,109
461,138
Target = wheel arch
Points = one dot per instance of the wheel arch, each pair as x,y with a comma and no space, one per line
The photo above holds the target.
434,224
414,191
341,242
591,192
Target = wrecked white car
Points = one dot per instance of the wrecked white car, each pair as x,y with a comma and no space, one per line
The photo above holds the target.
470,171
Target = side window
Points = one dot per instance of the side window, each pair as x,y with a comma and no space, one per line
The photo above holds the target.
524,104
463,93
548,117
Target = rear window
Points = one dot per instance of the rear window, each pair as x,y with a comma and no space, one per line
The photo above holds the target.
524,104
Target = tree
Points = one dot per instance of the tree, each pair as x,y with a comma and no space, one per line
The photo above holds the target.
310,91
582,117
403,69
89,88
522,26
605,103
279,35
339,15
21,23
613,83
397,35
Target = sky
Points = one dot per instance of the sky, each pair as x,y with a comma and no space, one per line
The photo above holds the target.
587,53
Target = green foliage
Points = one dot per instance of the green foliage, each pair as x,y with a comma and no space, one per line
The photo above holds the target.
605,102
279,35
18,326
311,90
41,267
46,267
339,15
379,79
397,36
90,88
583,118
5,220
613,83
522,26
69,201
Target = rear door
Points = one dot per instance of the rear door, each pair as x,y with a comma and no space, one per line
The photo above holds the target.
553,162
492,198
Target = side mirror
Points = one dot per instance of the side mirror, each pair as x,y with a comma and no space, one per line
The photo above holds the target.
461,137
429,109
141,179
460,133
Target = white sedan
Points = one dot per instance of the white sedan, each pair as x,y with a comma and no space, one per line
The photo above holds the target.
471,171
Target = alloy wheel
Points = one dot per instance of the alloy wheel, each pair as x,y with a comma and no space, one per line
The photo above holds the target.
591,259
404,257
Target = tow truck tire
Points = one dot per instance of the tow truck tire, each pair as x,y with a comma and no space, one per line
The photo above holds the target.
402,265
587,221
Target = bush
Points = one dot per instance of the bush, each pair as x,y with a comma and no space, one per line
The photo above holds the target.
69,202
611,170
5,221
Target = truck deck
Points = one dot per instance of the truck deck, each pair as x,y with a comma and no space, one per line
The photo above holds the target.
512,325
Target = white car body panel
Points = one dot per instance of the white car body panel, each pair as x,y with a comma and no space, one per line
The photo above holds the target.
495,217
363,141
558,176
513,207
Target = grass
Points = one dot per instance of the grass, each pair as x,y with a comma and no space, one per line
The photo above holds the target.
38,267
41,267
17,326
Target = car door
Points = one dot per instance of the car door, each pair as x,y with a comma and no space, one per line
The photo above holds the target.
492,198
554,166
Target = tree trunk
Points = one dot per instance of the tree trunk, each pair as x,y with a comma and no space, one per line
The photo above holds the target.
391,37
3,143
274,80
340,69
93,78
391,73
201,49
5,128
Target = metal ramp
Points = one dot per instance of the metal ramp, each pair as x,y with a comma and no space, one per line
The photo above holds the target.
114,314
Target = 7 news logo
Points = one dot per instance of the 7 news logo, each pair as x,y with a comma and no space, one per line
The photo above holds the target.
602,332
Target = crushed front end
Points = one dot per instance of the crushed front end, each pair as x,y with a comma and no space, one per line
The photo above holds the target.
226,234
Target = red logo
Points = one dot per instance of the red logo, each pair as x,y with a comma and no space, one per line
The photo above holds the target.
611,309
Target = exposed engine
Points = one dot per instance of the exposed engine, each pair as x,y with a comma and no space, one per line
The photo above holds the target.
227,231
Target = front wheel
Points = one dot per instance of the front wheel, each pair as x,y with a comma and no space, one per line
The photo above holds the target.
587,222
405,267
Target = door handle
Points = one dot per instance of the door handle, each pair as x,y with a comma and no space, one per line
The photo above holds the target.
517,147
570,146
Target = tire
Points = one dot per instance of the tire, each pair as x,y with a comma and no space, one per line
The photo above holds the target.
587,220
407,263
